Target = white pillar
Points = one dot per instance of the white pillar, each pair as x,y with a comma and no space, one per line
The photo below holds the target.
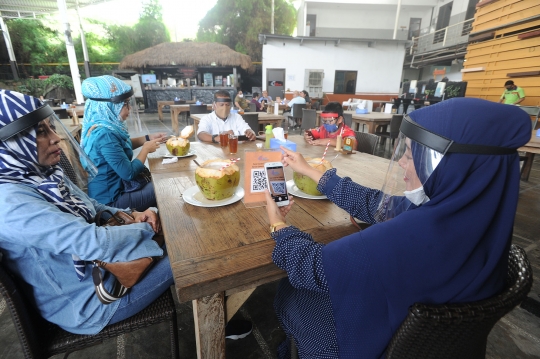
83,43
272,25
397,18
9,46
76,77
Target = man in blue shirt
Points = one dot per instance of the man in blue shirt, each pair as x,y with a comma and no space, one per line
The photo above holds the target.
297,99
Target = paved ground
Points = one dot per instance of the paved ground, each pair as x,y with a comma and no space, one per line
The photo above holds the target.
516,336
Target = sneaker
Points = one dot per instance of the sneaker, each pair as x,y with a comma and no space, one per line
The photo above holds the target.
238,329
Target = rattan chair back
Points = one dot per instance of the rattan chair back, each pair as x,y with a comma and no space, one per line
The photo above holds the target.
366,142
196,109
252,120
42,339
533,111
347,119
297,110
252,107
309,119
460,330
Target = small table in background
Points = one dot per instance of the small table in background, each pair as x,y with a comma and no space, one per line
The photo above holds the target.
264,119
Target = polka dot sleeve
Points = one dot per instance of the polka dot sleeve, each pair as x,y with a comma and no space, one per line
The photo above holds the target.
301,257
359,201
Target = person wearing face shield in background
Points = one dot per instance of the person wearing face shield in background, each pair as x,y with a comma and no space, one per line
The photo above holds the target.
105,139
441,231
221,119
332,125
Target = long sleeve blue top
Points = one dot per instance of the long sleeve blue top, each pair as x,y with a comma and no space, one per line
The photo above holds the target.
37,242
113,158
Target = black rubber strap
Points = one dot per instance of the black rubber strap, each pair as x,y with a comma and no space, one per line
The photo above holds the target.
147,137
445,145
223,99
25,122
115,99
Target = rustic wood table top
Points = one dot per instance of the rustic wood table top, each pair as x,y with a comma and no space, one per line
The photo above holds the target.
226,251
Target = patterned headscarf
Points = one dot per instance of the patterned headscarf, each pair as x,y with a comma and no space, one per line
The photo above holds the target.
19,158
103,114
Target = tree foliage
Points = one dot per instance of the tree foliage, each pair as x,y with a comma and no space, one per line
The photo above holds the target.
237,23
39,88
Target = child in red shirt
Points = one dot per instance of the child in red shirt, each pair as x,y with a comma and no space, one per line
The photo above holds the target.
331,126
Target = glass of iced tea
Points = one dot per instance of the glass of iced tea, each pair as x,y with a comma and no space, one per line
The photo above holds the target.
233,144
286,134
224,139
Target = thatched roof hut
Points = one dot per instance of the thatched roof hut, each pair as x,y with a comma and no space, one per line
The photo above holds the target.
194,54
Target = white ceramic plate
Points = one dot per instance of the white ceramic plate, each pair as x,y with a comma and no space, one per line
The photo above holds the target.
194,197
295,191
190,153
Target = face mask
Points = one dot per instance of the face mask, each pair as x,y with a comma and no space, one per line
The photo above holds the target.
417,196
331,128
240,96
222,112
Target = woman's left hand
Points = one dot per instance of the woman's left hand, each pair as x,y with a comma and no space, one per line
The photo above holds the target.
276,214
149,217
162,137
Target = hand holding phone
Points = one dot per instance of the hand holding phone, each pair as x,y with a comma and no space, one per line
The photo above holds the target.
275,179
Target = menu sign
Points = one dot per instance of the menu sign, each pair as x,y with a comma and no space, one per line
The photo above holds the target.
254,176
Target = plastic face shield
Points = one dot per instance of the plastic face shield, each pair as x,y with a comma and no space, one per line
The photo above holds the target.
71,157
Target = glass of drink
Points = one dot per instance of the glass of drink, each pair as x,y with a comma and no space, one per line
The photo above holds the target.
286,134
224,138
233,144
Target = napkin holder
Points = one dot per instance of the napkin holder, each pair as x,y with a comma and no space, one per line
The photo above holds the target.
275,143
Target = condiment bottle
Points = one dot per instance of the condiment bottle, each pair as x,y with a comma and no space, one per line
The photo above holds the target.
269,134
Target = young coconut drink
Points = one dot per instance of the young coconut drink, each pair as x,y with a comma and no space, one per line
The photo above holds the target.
179,146
215,181
306,184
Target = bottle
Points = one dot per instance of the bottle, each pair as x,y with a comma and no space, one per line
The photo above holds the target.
338,143
269,134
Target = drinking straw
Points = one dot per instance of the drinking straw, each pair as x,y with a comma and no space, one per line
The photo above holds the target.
326,149
233,160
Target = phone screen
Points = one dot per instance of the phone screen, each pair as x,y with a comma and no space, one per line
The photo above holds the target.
276,183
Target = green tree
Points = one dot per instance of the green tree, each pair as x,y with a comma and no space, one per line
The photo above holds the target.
237,23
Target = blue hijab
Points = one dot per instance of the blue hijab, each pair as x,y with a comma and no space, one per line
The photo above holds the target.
105,115
452,249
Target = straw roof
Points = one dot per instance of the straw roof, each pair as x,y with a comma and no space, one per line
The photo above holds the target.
186,54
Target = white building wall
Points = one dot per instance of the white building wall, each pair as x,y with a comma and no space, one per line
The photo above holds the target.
379,67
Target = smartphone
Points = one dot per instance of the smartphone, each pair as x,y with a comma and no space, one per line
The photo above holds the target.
275,179
243,138
308,132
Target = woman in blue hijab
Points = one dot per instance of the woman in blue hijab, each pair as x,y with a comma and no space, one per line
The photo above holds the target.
105,139
441,233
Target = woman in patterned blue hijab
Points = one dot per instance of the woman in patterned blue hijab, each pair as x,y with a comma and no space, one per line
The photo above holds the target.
105,139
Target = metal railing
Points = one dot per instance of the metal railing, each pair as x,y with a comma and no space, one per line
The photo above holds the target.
449,36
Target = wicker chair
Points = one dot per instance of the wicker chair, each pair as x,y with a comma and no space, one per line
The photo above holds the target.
366,142
298,114
42,339
197,109
309,119
393,131
460,330
252,119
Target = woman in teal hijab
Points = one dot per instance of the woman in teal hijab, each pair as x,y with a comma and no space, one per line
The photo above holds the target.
105,139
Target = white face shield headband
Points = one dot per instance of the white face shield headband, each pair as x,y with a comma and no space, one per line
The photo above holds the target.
416,155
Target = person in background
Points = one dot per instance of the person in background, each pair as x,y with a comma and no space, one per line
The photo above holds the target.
221,119
331,126
289,114
306,97
240,102
255,101
265,97
346,299
512,94
105,139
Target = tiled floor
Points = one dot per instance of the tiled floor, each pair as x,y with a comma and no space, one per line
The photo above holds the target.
517,335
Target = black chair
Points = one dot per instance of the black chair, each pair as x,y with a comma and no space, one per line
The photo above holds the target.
532,111
42,339
393,131
460,330
61,113
321,107
366,142
196,109
252,107
252,120
297,113
309,119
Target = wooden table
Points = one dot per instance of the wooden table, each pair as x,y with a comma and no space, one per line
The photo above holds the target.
160,105
531,147
178,109
226,251
264,118
372,120
73,128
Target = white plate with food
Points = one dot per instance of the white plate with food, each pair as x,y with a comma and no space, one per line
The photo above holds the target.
296,192
194,197
190,153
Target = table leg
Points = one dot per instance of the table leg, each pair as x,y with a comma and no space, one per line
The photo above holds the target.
160,112
526,169
209,316
371,127
174,121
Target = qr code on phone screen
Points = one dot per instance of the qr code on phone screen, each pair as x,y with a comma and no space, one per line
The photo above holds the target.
258,180
278,187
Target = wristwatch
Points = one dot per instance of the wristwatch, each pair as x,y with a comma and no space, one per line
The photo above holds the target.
273,226
214,138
